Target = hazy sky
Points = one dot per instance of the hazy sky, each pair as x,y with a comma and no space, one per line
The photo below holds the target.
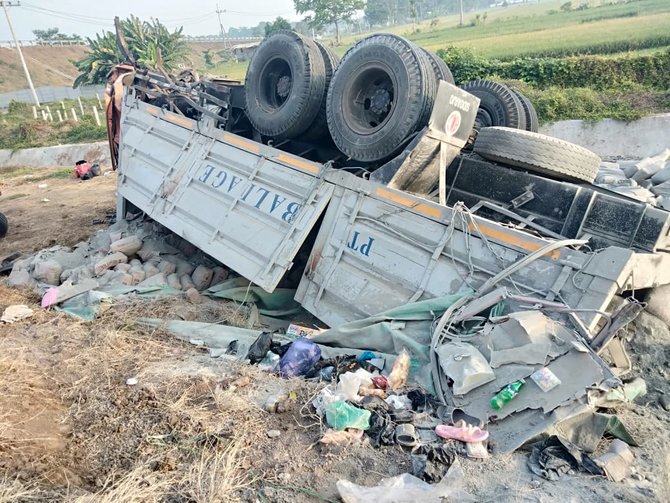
87,17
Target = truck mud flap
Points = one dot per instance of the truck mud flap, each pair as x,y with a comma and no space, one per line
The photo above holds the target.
378,248
247,205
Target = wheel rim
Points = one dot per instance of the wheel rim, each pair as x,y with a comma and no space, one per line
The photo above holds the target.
275,81
369,98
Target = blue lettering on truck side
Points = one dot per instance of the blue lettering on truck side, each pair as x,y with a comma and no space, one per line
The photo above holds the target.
362,246
259,197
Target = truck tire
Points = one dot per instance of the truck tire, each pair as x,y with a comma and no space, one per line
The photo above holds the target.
440,68
539,153
382,91
4,225
532,122
284,85
319,128
499,106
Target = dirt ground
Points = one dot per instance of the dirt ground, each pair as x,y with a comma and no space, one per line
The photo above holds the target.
193,428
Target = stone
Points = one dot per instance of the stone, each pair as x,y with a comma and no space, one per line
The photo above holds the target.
155,280
122,267
128,246
220,274
167,267
202,277
109,261
48,271
662,176
193,296
115,235
184,267
20,278
150,269
127,279
186,282
138,274
135,263
665,402
273,433
173,281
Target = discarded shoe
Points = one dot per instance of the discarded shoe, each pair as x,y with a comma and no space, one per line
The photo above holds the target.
464,434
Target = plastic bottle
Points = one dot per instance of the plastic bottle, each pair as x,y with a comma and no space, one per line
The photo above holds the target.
506,394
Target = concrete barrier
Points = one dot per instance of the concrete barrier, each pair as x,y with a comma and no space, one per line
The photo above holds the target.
616,139
56,157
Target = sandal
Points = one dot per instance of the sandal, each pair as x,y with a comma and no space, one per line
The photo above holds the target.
464,434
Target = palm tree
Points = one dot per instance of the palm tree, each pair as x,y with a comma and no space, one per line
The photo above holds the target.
151,44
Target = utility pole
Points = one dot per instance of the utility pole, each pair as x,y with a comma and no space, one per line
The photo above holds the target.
461,23
6,4
223,32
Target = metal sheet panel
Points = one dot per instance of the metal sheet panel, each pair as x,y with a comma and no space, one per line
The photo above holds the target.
379,248
247,205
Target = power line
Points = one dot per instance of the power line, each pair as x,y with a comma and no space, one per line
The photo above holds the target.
6,4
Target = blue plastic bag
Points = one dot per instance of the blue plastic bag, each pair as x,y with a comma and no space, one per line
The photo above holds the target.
299,359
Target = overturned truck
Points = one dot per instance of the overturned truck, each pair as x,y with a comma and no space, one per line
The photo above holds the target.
374,183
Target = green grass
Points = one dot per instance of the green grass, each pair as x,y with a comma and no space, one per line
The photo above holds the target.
18,128
528,29
57,173
14,196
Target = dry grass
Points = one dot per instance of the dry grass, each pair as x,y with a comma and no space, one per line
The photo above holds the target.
181,434
14,491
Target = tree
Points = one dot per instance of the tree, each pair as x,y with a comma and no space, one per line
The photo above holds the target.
378,12
278,24
150,43
328,12
51,34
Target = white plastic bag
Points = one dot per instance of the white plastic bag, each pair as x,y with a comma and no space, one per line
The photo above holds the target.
406,488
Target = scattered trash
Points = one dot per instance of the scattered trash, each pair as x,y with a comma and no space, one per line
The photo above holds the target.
298,330
617,462
554,457
16,312
545,379
300,357
431,462
259,349
132,381
343,437
341,416
465,365
400,371
406,488
42,185
273,433
464,433
507,394
405,435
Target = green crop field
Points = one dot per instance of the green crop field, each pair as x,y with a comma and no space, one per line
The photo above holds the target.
530,29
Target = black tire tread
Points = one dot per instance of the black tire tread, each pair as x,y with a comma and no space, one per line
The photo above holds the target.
4,225
537,152
319,128
532,121
306,109
440,68
516,117
420,103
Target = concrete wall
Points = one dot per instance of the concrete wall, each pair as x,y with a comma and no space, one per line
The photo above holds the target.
615,139
56,157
